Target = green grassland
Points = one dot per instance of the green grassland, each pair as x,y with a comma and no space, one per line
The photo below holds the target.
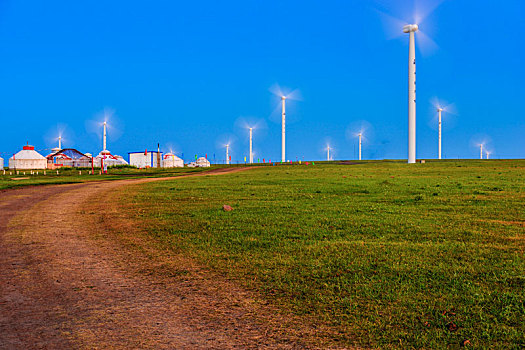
390,255
12,179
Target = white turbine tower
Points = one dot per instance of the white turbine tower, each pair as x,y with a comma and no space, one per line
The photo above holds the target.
480,151
283,129
439,109
328,152
411,29
251,152
104,136
60,142
360,141
228,153
488,154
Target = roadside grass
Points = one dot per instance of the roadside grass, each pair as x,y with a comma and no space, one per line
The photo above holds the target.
388,254
69,175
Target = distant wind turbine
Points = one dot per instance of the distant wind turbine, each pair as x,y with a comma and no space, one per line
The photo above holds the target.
104,136
294,95
480,151
251,152
283,130
441,108
360,140
328,152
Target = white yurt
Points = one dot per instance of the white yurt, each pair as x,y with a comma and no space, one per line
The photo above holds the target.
105,157
203,162
172,161
27,158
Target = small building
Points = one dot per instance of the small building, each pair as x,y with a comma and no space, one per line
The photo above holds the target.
172,161
145,159
202,162
1,163
27,158
106,159
68,157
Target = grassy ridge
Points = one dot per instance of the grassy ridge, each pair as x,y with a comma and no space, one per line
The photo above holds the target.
390,254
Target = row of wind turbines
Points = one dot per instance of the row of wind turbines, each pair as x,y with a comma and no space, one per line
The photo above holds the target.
411,30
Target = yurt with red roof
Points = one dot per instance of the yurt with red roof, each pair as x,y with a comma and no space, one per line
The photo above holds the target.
27,158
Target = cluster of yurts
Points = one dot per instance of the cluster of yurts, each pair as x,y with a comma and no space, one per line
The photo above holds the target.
29,158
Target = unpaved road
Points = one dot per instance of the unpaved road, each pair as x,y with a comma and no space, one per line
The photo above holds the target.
66,283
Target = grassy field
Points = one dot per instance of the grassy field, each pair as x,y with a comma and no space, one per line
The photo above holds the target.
68,175
390,255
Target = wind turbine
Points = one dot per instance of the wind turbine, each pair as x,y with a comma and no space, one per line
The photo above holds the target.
251,152
411,30
439,109
480,151
488,154
227,153
283,129
360,135
328,152
59,148
294,95
104,135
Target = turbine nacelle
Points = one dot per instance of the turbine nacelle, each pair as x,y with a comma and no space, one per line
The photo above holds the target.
283,98
410,28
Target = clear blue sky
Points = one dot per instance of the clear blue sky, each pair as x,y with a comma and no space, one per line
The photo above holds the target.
183,72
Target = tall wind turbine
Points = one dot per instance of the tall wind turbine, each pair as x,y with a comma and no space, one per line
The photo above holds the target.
411,29
294,95
328,152
480,151
283,129
60,142
488,154
227,153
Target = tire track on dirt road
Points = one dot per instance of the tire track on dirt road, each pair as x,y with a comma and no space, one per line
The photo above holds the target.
62,288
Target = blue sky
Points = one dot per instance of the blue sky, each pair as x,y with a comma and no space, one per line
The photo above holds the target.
182,74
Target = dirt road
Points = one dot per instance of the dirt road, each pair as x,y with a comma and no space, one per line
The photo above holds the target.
66,283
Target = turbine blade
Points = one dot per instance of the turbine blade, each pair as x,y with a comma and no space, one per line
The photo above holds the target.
392,26
450,109
423,9
294,95
276,90
426,45
275,115
434,101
